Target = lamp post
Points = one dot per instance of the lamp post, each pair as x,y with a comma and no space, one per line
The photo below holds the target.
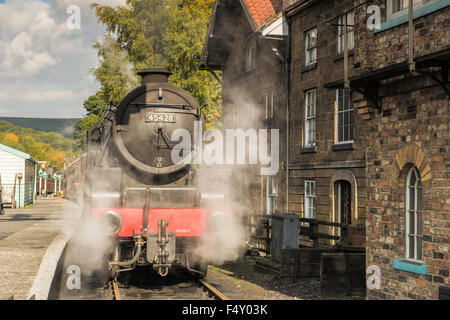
45,176
19,177
40,174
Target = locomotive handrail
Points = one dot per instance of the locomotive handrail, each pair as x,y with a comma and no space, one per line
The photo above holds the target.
158,105
153,188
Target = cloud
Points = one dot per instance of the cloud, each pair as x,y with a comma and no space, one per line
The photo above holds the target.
45,66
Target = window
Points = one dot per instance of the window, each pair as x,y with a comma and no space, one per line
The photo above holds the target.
344,117
269,99
311,46
271,194
310,118
310,199
399,7
250,61
350,33
413,215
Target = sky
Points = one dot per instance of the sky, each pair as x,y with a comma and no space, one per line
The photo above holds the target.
45,66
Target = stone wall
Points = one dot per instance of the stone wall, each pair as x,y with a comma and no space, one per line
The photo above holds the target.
411,129
242,88
322,162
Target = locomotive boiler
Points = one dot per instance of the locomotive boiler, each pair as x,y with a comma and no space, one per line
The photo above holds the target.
153,207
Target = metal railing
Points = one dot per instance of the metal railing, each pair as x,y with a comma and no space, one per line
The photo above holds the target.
260,230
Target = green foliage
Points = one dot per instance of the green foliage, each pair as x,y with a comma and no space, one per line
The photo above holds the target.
42,146
148,33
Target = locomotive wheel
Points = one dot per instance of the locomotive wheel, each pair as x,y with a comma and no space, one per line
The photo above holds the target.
115,257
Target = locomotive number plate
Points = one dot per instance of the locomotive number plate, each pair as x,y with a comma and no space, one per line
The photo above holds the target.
160,117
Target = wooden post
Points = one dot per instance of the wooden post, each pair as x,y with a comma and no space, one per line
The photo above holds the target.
294,277
315,230
348,282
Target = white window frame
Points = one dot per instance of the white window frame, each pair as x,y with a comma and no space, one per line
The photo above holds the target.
417,189
310,118
310,199
309,49
269,101
338,112
250,58
271,194
417,4
350,32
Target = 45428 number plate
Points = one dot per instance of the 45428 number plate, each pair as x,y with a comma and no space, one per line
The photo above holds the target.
160,117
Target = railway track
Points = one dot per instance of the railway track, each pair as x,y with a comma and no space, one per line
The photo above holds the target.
196,289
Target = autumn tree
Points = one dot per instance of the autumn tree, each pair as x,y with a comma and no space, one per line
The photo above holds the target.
148,33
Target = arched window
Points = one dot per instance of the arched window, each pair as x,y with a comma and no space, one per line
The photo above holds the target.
250,61
413,215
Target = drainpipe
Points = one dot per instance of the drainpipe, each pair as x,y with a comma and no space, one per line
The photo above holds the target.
346,81
411,63
288,107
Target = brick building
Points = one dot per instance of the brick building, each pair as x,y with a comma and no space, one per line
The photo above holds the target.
408,164
246,42
398,155
327,141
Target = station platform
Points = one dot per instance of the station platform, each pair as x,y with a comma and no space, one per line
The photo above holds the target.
31,243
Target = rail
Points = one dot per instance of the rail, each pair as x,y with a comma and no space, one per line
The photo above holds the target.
210,289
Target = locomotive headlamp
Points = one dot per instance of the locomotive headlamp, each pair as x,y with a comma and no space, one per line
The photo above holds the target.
111,221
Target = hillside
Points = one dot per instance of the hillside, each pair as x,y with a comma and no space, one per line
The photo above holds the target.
61,126
42,146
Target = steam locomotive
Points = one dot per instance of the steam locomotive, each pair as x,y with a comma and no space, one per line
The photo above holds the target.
153,207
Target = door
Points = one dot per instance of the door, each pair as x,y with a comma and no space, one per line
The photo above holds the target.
343,194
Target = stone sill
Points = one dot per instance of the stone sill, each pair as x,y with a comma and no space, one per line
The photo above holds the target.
343,146
308,149
430,8
410,266
340,56
308,67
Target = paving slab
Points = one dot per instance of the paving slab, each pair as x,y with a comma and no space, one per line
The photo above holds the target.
31,242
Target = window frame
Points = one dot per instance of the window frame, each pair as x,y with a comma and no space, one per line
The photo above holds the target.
391,15
250,61
308,60
308,198
416,210
337,112
267,92
271,197
351,30
309,119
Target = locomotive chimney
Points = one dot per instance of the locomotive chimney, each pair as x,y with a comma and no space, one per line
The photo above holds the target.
155,75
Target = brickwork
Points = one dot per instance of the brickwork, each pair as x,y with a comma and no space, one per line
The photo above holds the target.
244,102
324,162
412,129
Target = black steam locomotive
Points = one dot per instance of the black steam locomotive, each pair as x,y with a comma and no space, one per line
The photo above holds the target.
151,205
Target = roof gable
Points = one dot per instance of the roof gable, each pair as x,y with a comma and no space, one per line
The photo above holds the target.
259,11
259,14
16,152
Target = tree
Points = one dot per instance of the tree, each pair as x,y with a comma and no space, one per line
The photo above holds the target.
45,146
148,33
